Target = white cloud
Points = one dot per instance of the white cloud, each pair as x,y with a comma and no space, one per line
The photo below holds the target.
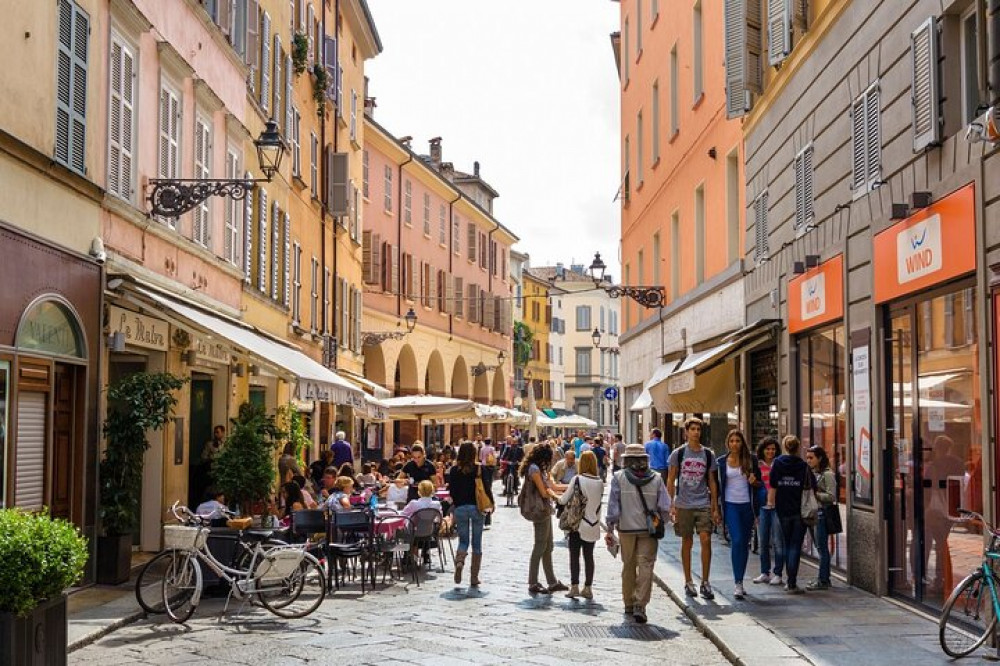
526,87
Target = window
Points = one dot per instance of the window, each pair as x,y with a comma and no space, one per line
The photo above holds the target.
733,187
296,283
248,233
276,219
970,67
170,137
427,214
804,187
473,236
626,52
656,258
286,261
743,49
627,154
779,29
121,119
238,28
442,226
699,234
202,170
456,231
354,115
656,121
638,29
277,84
408,202
314,296
675,255
654,10
583,356
71,87
314,165
699,57
761,251
924,56
265,62
583,317
387,184
638,150
458,298
364,173
262,240
232,247
866,144
675,124
296,144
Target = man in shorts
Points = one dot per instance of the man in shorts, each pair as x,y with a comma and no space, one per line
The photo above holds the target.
694,495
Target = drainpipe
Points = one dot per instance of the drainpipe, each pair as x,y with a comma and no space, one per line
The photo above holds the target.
399,234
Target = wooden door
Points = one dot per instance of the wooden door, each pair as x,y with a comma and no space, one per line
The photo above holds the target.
61,463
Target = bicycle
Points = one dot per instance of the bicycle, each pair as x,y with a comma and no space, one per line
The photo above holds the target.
149,583
966,619
286,580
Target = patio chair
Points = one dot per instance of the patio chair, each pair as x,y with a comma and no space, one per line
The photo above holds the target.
426,525
393,539
347,537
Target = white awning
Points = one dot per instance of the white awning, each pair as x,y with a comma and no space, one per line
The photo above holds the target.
313,380
419,407
645,399
376,390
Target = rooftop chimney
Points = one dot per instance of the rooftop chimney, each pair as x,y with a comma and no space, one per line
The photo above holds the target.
436,151
447,170
405,140
370,107
475,169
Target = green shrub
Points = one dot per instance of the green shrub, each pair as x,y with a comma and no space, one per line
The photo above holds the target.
40,557
244,470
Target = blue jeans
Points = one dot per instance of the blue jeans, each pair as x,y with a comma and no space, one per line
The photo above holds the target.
769,537
468,519
739,522
793,531
822,542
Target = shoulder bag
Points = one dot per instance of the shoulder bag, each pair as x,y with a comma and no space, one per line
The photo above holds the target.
654,522
831,518
809,505
483,501
532,505
572,514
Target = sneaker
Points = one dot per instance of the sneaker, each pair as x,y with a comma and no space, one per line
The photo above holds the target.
794,589
777,580
818,585
639,614
763,578
557,587
586,592
690,590
574,592
706,590
738,591
536,588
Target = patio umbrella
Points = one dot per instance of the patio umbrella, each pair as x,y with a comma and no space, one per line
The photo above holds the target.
533,425
419,407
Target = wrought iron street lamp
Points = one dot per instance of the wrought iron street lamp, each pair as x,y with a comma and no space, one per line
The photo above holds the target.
596,337
482,368
172,197
372,338
648,297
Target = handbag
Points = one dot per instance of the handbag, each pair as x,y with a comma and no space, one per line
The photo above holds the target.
654,523
532,505
573,512
810,505
831,518
483,501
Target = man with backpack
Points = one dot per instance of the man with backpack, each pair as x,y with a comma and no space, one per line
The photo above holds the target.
694,495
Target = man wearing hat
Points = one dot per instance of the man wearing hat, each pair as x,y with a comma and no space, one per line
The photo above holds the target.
638,503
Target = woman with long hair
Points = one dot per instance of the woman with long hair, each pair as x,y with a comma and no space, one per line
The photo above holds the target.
768,530
469,519
587,533
291,494
826,493
535,472
738,476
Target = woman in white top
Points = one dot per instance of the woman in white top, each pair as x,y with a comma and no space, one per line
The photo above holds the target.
589,531
738,476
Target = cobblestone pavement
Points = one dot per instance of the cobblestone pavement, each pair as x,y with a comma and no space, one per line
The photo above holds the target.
438,623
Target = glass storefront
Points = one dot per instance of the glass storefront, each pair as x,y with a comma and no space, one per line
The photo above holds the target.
935,430
822,417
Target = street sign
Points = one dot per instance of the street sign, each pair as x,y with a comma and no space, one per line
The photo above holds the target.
611,393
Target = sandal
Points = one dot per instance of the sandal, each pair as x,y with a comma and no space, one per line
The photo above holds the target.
537,588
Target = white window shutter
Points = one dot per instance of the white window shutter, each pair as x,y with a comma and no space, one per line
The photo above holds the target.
761,232
289,93
248,232
873,136
202,161
331,64
779,30
310,36
358,309
858,146
231,242
265,62
276,223
29,459
262,241
737,95
278,83
804,187
253,41
121,130
926,90
287,261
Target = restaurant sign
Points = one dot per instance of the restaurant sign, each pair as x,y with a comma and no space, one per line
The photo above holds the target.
212,352
139,330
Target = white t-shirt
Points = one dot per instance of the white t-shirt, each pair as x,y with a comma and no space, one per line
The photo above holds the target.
737,486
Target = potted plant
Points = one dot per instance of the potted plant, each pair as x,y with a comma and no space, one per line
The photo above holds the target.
300,53
137,404
244,470
320,86
39,558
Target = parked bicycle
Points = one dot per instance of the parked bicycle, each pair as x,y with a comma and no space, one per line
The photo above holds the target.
286,580
970,614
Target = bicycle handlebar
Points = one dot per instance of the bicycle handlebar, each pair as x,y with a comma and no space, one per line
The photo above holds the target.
967,513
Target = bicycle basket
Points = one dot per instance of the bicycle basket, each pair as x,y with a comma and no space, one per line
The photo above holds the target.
279,563
183,537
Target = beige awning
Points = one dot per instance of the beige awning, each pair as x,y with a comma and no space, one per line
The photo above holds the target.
645,398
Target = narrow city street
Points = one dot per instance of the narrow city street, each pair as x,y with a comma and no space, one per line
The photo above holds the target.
438,623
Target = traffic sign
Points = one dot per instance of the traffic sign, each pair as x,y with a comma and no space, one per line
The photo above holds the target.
611,393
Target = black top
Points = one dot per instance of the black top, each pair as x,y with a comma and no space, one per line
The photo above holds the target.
462,487
419,473
788,475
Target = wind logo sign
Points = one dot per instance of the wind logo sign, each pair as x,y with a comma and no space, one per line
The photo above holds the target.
919,250
814,297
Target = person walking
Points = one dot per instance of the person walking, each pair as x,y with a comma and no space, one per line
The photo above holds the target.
826,493
535,471
768,530
488,463
694,499
583,538
658,452
469,520
738,477
342,454
602,457
617,450
790,476
638,500
511,458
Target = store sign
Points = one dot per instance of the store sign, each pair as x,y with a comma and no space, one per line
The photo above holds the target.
211,352
139,330
817,296
861,417
912,255
681,383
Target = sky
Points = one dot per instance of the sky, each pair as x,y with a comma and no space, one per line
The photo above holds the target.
530,90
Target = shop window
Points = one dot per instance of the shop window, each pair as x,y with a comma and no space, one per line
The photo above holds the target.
52,328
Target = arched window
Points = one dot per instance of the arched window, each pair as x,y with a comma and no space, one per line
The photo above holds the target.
51,327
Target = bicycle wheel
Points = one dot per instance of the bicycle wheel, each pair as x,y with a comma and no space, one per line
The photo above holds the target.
149,584
181,585
968,618
292,595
